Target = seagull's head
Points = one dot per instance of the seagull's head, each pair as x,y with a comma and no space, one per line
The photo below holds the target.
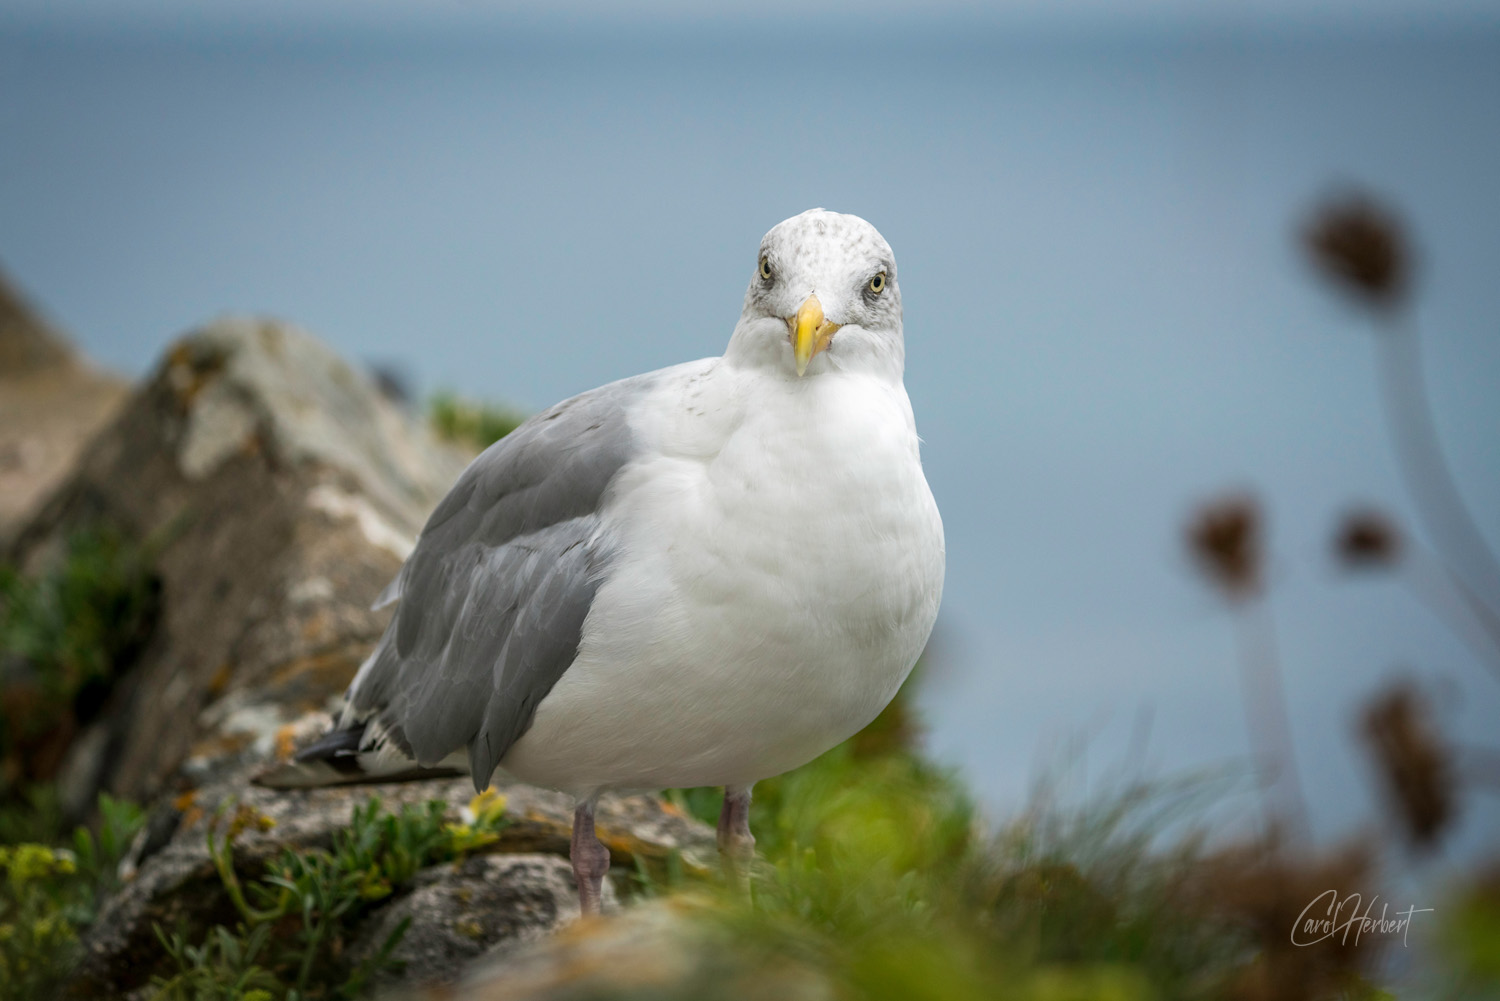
823,297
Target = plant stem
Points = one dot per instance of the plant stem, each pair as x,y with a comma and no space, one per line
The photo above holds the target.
1449,599
1264,696
224,862
1420,457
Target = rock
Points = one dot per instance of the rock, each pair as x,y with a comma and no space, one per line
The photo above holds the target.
172,880
51,403
28,344
670,948
277,491
459,913
281,491
646,953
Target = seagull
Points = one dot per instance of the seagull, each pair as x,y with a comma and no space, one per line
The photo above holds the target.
705,575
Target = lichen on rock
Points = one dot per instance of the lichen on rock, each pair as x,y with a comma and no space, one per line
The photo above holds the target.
277,491
224,459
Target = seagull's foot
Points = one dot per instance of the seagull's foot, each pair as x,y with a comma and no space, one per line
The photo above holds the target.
590,858
736,843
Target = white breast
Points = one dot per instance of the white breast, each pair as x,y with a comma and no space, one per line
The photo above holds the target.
779,569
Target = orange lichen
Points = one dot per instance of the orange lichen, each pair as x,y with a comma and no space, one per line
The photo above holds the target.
221,678
286,741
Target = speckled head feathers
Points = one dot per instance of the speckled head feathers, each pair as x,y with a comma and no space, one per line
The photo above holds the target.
833,256
825,283
818,238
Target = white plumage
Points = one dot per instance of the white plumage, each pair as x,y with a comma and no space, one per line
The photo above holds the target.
780,570
706,575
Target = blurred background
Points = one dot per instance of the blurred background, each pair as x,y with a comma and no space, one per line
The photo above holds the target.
1111,316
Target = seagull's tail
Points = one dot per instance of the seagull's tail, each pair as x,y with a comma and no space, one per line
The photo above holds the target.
348,756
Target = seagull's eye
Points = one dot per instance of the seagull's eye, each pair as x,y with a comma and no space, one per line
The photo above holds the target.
765,269
877,284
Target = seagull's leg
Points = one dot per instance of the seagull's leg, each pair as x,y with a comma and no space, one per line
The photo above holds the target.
590,858
736,843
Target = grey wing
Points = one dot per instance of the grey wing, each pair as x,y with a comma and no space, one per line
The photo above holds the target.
494,596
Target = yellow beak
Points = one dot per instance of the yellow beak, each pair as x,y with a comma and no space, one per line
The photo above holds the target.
811,333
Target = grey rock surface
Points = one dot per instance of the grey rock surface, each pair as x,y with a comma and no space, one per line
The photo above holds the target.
279,491
671,949
171,878
51,404
459,913
282,490
28,343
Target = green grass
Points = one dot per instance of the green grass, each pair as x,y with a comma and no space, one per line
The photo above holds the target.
878,881
478,425
881,881
1471,939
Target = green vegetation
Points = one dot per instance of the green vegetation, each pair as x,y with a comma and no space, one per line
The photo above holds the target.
50,894
32,813
879,878
65,635
295,918
479,425
1472,939
878,881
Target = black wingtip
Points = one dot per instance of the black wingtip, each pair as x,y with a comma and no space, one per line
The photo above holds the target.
334,743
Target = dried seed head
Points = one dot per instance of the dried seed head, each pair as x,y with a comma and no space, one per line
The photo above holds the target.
1367,539
1265,890
1360,247
1414,763
1224,537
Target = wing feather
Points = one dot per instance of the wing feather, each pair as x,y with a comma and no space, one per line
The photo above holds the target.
493,598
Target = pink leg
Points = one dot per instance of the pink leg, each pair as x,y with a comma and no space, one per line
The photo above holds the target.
736,843
590,858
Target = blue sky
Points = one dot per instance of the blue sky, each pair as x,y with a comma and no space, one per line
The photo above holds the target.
1093,210
439,13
